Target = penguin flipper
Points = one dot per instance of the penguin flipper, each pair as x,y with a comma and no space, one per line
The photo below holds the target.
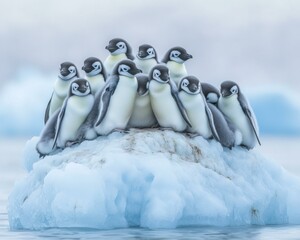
247,110
174,93
105,96
59,121
211,120
47,112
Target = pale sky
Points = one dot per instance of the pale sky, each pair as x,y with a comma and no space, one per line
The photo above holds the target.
253,42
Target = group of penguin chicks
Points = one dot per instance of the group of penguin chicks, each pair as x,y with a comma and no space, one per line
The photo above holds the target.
127,92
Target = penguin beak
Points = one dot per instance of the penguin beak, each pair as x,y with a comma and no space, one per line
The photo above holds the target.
225,93
193,87
64,72
87,69
186,56
141,54
111,48
135,71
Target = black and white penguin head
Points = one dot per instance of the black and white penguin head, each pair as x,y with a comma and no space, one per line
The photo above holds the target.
118,46
80,87
67,71
160,73
210,92
146,51
126,68
229,88
176,54
190,85
93,66
143,84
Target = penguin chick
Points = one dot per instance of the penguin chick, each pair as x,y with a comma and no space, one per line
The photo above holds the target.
236,108
118,49
167,107
175,59
146,58
68,72
117,99
142,116
191,96
74,112
95,73
210,93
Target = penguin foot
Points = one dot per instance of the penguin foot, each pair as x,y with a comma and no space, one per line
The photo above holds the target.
41,156
193,135
72,143
121,130
166,128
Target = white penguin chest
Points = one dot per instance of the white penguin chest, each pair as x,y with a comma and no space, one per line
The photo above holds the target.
112,60
196,112
177,71
164,106
232,109
142,115
96,82
145,65
61,89
76,112
121,105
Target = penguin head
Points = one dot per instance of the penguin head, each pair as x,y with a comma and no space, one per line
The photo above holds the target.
176,54
118,46
229,88
160,73
190,85
146,51
210,92
143,84
80,87
67,71
93,66
126,68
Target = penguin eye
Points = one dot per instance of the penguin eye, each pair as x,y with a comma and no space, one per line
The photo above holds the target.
156,73
234,89
175,54
124,68
150,51
120,45
185,83
72,69
96,65
75,86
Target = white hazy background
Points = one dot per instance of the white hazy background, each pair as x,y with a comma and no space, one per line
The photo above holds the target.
255,43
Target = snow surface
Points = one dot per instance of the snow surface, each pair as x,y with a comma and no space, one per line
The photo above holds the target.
153,179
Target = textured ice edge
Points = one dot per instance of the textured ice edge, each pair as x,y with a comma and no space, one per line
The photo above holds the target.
152,179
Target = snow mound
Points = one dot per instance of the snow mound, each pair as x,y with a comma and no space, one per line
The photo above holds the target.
152,179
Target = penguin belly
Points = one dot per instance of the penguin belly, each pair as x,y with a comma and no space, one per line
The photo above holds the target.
142,115
120,107
177,71
165,108
77,110
145,65
196,112
61,89
232,109
96,82
112,60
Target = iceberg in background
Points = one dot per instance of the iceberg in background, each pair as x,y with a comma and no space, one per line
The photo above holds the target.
153,179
